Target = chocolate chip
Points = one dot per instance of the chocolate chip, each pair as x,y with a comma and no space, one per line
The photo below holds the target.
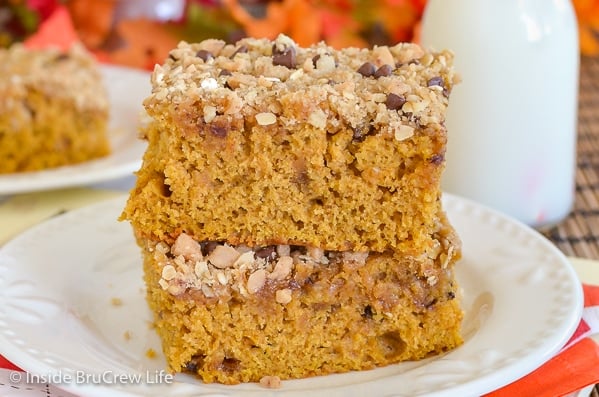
394,101
230,365
437,159
62,57
266,252
195,363
204,55
218,131
358,134
367,312
361,132
431,303
436,81
367,69
225,72
208,247
383,71
451,295
241,50
315,59
285,57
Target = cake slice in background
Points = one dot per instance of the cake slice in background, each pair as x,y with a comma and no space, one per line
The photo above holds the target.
289,209
53,109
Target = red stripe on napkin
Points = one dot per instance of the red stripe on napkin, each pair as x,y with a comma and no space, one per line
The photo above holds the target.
4,363
591,295
569,371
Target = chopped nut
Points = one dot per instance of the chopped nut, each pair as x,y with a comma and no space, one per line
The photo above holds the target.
283,296
325,63
222,278
318,119
282,268
244,259
404,132
256,281
270,382
296,75
175,289
383,56
209,113
356,257
209,83
266,118
185,245
316,253
283,250
223,256
201,268
169,272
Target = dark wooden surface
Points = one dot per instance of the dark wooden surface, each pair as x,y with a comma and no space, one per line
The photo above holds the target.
578,234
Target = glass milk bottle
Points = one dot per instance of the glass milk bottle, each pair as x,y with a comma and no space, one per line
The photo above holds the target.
512,120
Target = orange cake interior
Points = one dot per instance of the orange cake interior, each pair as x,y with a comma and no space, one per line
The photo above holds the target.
289,212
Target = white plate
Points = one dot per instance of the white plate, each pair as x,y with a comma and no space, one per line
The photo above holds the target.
521,296
127,88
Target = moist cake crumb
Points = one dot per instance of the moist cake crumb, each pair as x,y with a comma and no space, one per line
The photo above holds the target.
289,211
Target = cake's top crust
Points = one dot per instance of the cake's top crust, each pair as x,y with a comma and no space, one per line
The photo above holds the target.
392,90
70,75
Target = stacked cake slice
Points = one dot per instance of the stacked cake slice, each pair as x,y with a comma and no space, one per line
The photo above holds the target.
289,209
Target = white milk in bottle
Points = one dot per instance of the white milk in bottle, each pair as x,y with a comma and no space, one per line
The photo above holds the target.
512,120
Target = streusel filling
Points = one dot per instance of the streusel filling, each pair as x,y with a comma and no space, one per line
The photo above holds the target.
215,271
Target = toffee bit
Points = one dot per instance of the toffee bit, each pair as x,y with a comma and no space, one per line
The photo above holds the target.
367,69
